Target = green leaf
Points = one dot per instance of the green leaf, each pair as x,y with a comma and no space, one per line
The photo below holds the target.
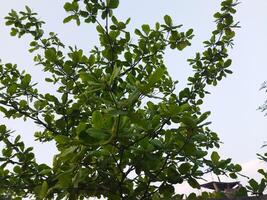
23,103
26,80
215,157
98,134
97,119
68,6
43,190
91,60
189,121
166,190
61,139
146,28
51,55
114,20
2,129
190,149
168,20
233,175
13,31
65,179
203,117
254,185
189,32
68,151
94,136
67,19
227,63
64,98
262,172
116,71
192,196
128,56
138,32
75,6
12,89
156,143
238,167
7,152
193,183
108,54
28,9
228,71
181,45
81,127
217,15
76,56
184,168
78,21
173,176
113,4
156,76
17,169
241,192
262,186
49,80
100,29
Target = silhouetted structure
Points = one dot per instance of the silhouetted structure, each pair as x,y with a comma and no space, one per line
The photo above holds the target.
229,189
221,186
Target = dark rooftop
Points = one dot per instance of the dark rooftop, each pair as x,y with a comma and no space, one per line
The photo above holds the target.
264,197
220,185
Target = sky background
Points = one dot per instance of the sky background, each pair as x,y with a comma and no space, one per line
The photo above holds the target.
233,103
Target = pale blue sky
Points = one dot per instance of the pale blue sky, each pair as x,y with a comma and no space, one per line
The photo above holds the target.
233,102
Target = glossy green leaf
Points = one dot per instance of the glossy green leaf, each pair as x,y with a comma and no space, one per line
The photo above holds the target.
189,32
26,80
43,190
173,176
68,6
193,183
97,119
51,55
189,121
215,157
146,28
184,168
12,89
227,63
68,19
254,184
81,127
17,169
156,76
168,20
2,129
115,73
113,3
189,149
166,190
181,45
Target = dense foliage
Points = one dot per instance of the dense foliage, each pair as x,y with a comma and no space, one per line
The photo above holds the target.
121,128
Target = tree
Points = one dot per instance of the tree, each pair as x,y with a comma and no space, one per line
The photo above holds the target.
121,130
